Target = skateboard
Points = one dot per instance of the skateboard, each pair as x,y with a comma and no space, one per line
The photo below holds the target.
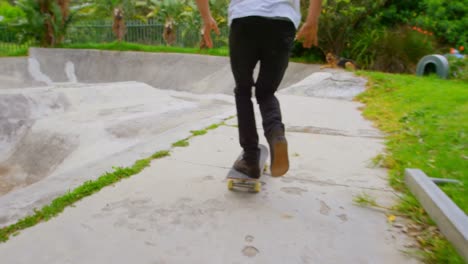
239,181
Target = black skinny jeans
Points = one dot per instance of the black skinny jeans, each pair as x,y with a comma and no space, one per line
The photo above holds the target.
254,39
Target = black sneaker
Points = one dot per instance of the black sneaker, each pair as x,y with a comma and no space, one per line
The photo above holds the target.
249,165
278,153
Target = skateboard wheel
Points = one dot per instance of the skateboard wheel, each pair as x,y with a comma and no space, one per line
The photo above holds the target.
257,187
230,184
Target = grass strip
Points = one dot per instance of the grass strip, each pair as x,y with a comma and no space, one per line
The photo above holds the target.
125,46
13,50
426,123
181,143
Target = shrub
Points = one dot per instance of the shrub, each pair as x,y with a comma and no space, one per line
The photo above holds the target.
363,49
391,50
458,68
311,55
10,14
340,21
447,19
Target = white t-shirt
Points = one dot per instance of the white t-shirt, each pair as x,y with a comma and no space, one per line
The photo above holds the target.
266,8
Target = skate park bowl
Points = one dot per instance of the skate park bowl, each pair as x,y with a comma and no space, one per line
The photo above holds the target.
68,116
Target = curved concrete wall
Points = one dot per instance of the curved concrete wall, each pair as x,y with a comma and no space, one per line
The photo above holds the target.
183,72
14,73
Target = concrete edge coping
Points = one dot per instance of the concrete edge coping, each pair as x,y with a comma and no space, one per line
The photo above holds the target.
451,220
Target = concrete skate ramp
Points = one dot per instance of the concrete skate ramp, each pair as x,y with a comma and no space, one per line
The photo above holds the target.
15,73
182,72
56,137
67,116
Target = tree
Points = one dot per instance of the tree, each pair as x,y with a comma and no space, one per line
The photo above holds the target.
47,20
98,10
169,12
118,25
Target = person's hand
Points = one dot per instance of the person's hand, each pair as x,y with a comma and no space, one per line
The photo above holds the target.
208,25
308,34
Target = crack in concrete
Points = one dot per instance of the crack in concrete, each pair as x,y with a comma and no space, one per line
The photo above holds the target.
292,178
334,132
325,183
202,164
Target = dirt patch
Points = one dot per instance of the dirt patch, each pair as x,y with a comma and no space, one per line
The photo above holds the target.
4,170
5,185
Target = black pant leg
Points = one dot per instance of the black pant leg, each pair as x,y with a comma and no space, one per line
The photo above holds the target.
276,45
244,56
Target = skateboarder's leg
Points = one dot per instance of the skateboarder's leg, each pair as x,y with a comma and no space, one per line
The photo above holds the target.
274,58
244,55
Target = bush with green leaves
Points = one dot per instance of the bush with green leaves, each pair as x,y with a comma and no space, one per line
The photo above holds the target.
398,12
447,19
10,14
340,20
458,68
391,50
376,33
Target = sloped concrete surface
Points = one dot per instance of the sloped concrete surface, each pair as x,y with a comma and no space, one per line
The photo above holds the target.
328,84
54,138
14,73
182,72
93,110
180,211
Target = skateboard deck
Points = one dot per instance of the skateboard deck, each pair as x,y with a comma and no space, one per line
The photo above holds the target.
239,181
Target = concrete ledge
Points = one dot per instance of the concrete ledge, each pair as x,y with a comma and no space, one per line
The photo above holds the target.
452,221
182,72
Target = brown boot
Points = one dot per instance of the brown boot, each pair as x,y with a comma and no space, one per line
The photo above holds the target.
249,165
278,153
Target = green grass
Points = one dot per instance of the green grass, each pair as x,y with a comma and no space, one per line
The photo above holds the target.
199,132
215,126
125,46
426,121
181,143
13,50
90,187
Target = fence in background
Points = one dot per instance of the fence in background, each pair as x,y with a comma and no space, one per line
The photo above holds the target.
149,33
11,41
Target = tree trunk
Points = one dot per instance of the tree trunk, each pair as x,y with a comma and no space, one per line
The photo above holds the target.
169,34
118,26
45,9
64,9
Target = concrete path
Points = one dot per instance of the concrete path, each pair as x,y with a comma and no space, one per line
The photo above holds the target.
179,209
